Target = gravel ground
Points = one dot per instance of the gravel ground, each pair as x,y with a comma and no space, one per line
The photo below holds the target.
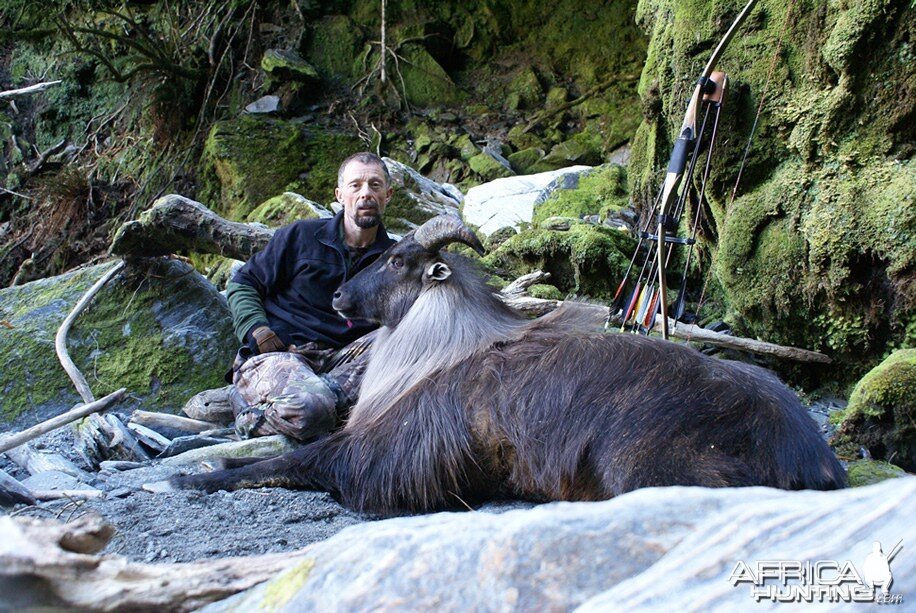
184,526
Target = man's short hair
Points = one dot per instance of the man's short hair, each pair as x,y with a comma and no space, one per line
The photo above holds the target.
364,157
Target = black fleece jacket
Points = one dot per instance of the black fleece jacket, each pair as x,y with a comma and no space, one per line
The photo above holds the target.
295,277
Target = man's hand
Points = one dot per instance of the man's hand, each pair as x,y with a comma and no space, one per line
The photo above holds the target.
267,340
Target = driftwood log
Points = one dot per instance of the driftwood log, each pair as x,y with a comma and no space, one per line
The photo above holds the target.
173,422
686,332
175,224
45,563
77,412
13,492
60,341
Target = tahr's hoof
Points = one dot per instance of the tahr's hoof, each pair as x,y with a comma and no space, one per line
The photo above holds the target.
158,487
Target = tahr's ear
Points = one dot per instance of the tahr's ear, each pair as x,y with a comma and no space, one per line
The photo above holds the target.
437,271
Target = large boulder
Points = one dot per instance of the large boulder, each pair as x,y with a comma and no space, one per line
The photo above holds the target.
417,198
250,159
508,201
600,192
881,415
818,248
656,548
157,328
582,258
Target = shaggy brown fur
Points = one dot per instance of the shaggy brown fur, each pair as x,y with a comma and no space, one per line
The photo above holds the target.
465,400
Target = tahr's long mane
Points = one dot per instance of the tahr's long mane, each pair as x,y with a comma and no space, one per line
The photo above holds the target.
449,322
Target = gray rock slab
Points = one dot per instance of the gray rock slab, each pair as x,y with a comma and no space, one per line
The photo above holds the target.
508,201
654,549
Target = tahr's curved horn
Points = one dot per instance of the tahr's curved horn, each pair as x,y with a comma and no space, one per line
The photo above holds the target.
445,230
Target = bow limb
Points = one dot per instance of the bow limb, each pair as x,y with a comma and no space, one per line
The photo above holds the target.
678,162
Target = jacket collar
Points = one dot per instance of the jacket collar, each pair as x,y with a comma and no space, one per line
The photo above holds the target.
330,234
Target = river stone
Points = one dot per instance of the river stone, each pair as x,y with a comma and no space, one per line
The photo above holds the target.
508,201
264,105
657,548
157,328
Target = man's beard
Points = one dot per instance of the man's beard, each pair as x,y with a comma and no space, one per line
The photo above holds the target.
368,221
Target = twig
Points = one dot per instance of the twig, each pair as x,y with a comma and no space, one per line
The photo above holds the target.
35,167
60,342
66,494
12,193
26,91
77,412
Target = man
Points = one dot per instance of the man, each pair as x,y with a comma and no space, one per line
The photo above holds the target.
281,310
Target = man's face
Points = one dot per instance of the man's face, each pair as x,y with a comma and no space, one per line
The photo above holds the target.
363,192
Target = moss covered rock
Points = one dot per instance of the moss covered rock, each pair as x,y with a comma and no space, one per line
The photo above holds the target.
285,209
424,81
487,167
817,250
283,65
583,148
881,415
545,292
332,46
869,472
160,330
585,260
599,191
524,91
526,161
248,160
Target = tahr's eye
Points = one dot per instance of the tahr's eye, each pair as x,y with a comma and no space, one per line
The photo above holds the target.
396,262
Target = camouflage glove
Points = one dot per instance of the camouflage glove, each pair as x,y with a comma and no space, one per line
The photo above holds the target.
267,340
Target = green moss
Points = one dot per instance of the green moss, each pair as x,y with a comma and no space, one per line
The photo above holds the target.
282,210
162,332
424,81
584,260
280,591
602,191
796,255
248,160
465,146
333,45
251,159
545,292
283,66
583,148
526,89
868,472
525,161
487,167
